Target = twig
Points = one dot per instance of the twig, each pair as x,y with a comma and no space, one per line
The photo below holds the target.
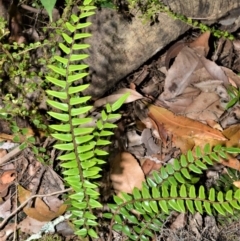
26,202
10,155
36,186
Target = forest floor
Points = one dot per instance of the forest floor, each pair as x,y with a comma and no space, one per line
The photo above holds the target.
185,88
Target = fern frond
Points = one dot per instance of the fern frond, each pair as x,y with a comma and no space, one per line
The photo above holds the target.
140,210
81,145
171,189
79,139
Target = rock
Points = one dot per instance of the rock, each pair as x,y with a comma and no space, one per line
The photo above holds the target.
119,45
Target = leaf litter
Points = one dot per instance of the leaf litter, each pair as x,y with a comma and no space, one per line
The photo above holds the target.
189,112
176,102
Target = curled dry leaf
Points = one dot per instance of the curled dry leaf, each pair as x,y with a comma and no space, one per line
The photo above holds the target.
200,45
134,95
126,173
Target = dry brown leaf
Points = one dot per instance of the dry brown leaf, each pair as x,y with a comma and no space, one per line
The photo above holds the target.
206,107
40,211
214,70
189,76
233,135
179,75
134,95
234,79
183,143
182,126
6,179
231,162
201,44
126,173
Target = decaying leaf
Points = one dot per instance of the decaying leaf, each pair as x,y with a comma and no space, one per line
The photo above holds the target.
195,86
41,211
126,173
183,126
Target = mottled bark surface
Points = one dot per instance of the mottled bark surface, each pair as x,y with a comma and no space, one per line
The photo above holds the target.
206,9
118,46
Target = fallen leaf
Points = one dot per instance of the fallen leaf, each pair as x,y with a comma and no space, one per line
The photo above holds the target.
6,179
126,173
201,44
41,211
183,126
183,143
179,76
206,107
